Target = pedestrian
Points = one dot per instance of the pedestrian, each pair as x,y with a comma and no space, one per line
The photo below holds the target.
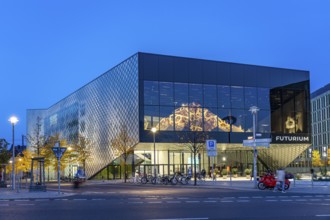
280,178
189,172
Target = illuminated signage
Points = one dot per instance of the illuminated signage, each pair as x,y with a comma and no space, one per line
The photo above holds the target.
290,138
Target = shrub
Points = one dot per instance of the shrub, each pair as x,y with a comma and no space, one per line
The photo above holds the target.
234,171
224,172
247,171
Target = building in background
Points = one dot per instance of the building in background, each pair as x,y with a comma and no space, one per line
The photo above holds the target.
320,100
180,96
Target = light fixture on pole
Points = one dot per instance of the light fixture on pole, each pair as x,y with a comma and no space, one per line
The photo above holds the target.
154,130
254,110
13,120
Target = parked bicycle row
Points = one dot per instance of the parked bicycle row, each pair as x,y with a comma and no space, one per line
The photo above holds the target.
177,178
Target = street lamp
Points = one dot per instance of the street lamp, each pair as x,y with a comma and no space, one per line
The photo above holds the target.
154,130
254,110
13,120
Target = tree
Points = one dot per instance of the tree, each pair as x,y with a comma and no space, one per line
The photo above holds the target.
36,140
194,140
316,158
4,157
81,151
4,153
123,146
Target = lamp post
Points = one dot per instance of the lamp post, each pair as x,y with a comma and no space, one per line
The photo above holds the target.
13,120
254,110
154,130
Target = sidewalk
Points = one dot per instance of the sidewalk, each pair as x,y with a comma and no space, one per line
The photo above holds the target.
7,193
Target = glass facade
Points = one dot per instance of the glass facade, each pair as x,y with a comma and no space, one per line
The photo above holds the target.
175,106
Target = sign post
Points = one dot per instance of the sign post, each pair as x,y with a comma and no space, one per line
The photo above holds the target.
211,147
58,151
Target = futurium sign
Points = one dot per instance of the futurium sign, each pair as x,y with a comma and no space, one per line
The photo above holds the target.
290,139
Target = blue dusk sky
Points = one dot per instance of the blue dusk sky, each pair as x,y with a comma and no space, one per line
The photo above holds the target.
49,49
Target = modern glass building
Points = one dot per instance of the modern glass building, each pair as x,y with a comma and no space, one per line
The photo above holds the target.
181,97
321,120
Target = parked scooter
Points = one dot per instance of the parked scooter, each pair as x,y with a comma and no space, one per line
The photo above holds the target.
268,181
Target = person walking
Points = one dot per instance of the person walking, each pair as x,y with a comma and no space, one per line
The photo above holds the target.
280,178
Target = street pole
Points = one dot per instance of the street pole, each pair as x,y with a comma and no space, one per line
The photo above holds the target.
13,120
254,111
58,173
154,130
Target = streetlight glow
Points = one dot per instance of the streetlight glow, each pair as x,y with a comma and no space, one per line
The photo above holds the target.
13,120
153,130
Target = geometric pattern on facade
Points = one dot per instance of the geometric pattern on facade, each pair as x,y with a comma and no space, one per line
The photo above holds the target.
281,155
96,112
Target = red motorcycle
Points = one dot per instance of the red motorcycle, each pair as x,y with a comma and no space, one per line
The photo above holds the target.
268,181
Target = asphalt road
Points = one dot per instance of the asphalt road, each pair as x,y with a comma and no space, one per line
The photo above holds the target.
168,202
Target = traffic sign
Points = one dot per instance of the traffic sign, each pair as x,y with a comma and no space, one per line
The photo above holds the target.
59,151
211,147
263,142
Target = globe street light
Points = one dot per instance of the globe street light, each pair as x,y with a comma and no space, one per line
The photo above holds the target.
254,110
13,120
154,130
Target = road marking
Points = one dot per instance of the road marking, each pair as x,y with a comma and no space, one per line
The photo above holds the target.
307,196
134,198
212,198
286,200
153,198
243,200
154,202
271,200
167,198
228,197
257,197
226,201
111,192
178,219
243,197
97,199
135,202
324,215
24,204
40,200
79,199
315,200
21,200
319,196
270,196
209,201
182,198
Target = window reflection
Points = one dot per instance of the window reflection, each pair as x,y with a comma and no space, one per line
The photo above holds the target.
180,94
166,122
250,97
210,96
151,117
223,96
151,93
237,97
210,119
195,94
166,93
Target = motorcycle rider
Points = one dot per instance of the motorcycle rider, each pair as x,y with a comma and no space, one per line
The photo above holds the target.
280,177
